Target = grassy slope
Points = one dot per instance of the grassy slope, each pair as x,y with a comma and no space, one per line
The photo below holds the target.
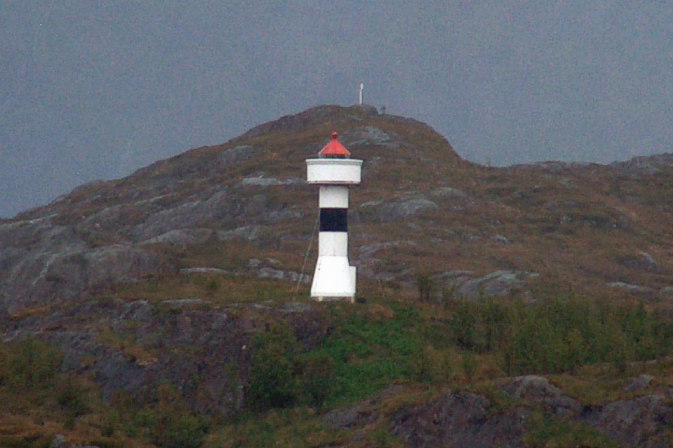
423,347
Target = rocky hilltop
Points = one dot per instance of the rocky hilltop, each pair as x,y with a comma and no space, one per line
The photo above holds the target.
477,231
170,275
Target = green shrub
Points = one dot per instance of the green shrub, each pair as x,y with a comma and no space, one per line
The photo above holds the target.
29,365
469,364
430,365
317,376
164,420
560,335
178,430
72,396
463,326
169,421
563,334
546,431
272,382
31,441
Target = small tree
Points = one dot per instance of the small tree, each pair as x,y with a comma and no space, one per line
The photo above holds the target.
272,383
424,284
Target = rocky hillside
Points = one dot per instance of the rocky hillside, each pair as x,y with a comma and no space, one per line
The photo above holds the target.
477,231
160,290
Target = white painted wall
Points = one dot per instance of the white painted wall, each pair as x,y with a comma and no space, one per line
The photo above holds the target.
333,171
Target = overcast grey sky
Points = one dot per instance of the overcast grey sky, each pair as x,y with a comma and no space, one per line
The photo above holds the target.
96,89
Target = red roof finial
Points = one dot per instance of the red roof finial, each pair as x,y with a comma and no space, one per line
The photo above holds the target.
334,149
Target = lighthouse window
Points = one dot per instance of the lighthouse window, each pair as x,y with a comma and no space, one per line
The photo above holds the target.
333,220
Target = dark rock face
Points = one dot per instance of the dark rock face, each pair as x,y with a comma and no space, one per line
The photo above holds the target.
458,419
638,422
134,346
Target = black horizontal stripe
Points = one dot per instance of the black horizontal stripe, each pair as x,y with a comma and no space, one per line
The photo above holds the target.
334,220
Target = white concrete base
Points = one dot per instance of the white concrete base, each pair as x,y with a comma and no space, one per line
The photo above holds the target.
333,245
333,279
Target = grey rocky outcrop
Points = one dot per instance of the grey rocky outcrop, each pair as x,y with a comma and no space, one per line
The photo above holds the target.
638,383
182,237
637,290
237,154
43,277
398,210
449,192
466,285
538,390
261,181
459,419
61,441
637,422
72,250
247,233
368,135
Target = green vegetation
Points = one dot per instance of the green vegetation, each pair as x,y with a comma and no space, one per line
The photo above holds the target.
589,345
562,334
274,381
29,367
544,431
165,419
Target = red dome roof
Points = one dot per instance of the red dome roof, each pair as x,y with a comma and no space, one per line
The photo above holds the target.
334,149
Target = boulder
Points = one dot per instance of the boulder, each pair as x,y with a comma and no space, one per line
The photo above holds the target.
345,418
538,390
639,382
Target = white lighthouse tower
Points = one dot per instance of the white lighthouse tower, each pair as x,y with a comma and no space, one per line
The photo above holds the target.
334,171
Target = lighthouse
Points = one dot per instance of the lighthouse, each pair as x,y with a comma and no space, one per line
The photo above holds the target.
334,171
